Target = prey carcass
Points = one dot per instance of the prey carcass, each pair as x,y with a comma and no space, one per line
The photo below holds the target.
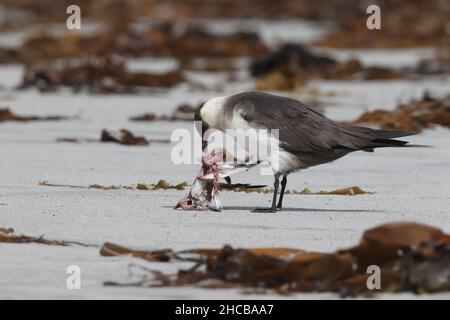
204,193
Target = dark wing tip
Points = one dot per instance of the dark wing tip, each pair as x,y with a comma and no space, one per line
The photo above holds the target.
389,134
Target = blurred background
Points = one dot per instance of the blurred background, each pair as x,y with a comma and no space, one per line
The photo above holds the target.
132,46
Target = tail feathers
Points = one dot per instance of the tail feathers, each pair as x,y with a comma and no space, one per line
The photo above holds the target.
388,143
385,143
386,134
419,146
368,139
384,139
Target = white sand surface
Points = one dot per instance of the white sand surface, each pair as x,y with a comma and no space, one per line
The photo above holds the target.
410,185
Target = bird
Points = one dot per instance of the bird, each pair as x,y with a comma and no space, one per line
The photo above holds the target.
306,137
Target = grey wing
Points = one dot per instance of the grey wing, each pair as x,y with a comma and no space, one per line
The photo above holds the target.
301,128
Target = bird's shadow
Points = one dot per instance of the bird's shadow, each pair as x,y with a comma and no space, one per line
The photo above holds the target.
244,208
301,209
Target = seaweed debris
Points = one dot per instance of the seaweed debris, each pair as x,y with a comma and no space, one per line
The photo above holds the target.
414,116
7,235
413,258
160,185
7,115
125,137
293,65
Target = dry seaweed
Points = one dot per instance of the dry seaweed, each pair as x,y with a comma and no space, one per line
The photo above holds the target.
412,257
125,137
7,115
384,244
190,42
184,41
289,59
413,116
110,249
9,55
438,65
415,23
68,140
146,117
236,187
184,112
160,185
47,184
293,65
350,191
100,187
195,42
164,185
7,236
98,75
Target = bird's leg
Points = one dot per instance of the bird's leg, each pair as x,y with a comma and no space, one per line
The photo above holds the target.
283,188
273,208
